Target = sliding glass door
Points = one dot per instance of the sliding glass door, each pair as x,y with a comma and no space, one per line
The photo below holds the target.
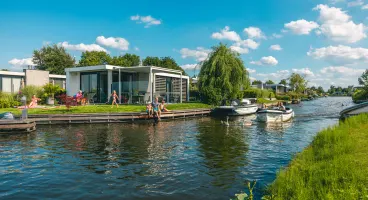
94,86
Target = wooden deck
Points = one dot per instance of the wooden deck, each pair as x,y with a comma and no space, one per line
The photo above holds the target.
17,126
92,118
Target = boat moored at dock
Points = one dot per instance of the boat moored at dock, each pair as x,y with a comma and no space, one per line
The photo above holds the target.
245,108
275,115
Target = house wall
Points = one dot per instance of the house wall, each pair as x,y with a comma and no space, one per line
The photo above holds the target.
36,77
72,83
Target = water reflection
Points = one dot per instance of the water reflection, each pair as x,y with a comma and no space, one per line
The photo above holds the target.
223,150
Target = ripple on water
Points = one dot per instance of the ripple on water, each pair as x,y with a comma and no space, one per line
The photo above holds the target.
180,159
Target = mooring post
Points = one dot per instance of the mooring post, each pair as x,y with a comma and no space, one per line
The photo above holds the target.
25,110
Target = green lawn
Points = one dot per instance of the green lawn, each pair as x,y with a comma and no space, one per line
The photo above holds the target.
101,109
334,166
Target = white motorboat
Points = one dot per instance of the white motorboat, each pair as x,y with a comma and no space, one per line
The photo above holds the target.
275,115
245,108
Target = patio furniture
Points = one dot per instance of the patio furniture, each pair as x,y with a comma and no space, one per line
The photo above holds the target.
90,97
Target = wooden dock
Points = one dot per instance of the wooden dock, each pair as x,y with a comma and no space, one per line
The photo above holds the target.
93,118
17,126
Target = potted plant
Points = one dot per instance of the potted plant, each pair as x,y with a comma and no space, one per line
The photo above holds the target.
50,90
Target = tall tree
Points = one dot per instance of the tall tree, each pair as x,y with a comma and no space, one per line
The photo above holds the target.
283,81
363,79
270,82
222,76
152,61
256,82
297,83
320,90
127,60
165,62
92,58
53,58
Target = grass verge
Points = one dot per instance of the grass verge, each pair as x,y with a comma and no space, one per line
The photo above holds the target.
101,109
334,166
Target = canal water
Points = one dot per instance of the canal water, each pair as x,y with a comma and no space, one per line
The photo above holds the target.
196,158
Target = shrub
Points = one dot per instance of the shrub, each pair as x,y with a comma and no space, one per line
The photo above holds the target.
50,89
8,100
283,97
360,95
31,90
258,93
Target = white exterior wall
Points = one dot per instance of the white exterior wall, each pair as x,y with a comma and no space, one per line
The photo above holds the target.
72,83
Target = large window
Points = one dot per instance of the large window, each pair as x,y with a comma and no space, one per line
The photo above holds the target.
10,84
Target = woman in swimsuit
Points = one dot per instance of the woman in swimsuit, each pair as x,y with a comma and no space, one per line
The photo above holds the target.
33,102
114,99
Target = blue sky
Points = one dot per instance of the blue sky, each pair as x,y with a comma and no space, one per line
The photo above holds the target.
324,40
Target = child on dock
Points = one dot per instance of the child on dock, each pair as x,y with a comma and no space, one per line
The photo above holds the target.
149,110
114,97
156,109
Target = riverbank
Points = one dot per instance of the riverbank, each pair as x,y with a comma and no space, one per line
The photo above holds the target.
101,109
334,166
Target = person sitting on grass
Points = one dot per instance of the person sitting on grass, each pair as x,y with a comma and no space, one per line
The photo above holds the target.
34,101
162,107
149,109
114,97
155,108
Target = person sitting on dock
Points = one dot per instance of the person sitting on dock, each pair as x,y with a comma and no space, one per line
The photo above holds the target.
155,108
149,109
114,97
162,107
34,101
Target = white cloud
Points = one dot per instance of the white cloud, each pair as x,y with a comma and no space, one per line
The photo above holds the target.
254,32
82,47
275,35
301,27
147,20
116,43
365,7
275,47
226,34
269,61
243,46
189,66
200,54
336,75
136,49
355,3
304,71
275,76
340,54
338,26
239,49
342,70
20,63
251,70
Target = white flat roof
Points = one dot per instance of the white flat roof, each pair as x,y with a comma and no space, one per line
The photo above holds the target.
10,73
112,67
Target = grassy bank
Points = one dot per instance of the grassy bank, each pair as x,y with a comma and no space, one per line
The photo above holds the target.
334,166
101,109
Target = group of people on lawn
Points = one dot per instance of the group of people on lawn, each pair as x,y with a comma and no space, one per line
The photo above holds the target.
154,108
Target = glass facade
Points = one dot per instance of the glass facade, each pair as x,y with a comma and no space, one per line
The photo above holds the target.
10,84
94,86
133,89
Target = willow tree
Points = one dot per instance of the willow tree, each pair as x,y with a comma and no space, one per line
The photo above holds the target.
222,76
